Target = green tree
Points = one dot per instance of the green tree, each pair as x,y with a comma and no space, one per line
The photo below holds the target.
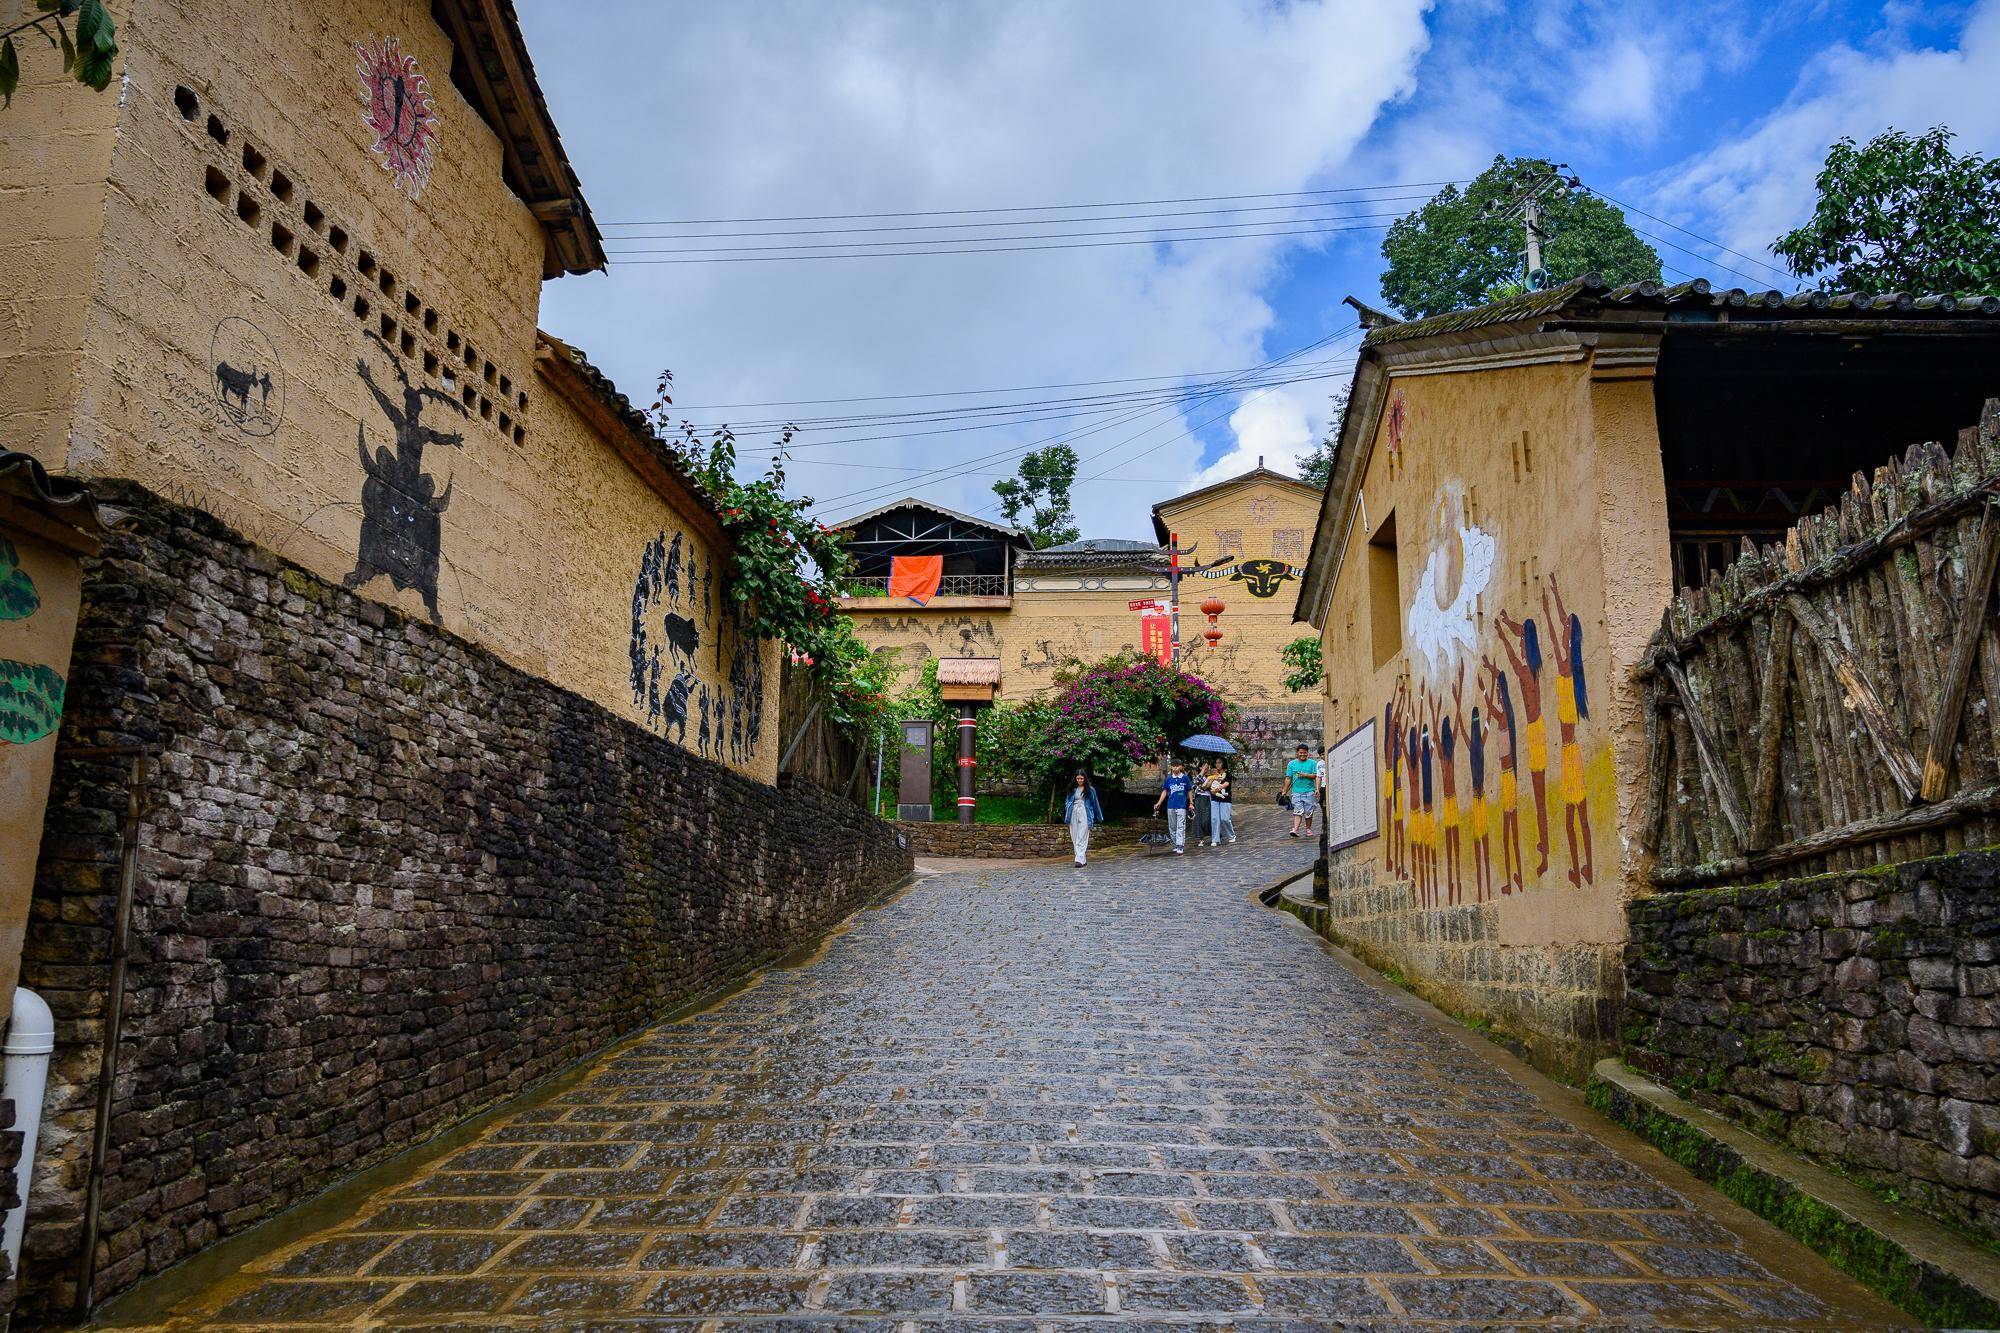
1466,246
1301,655
88,58
1901,213
1316,464
1038,499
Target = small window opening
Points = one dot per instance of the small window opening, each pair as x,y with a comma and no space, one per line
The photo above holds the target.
451,342
388,283
281,238
430,363
308,262
450,381
506,423
281,185
366,263
409,343
491,373
248,209
388,329
520,433
337,238
216,183
217,131
522,400
485,408
430,320
1385,595
411,304
337,288
253,161
506,387
361,307
314,218
471,357
468,396
186,102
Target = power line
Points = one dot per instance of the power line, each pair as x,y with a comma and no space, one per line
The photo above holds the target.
737,255
1039,208
1705,240
1035,222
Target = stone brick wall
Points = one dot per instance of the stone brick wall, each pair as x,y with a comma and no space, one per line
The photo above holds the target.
1022,840
384,880
1853,1016
10,1198
1555,1000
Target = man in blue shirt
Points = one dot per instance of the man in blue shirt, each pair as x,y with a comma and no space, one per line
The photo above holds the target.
1302,777
1174,790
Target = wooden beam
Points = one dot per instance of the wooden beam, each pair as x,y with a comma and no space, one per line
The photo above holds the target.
1950,703
1895,755
1894,824
1770,728
1659,757
1711,756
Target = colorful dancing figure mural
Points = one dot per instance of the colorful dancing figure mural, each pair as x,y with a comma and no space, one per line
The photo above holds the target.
1572,706
1524,652
1500,704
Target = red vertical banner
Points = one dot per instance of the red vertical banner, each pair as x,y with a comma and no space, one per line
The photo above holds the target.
1156,637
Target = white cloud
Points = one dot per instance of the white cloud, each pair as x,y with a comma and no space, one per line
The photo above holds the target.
704,110
1274,427
1616,86
1758,184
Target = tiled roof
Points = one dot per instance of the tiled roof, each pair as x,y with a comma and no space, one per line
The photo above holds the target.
1006,530
968,671
63,499
1590,292
1098,546
619,406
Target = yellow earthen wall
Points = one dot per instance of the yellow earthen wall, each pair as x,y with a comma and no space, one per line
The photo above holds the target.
1551,479
542,530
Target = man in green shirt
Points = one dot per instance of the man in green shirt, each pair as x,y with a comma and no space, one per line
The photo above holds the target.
1302,779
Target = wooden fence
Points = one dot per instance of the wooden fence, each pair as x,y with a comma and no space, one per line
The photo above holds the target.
1834,702
815,750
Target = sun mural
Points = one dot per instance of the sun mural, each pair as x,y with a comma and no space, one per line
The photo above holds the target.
400,111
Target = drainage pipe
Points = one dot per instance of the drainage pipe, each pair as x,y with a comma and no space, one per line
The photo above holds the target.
31,1036
114,1015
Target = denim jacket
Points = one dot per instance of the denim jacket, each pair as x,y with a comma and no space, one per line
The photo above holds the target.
1095,810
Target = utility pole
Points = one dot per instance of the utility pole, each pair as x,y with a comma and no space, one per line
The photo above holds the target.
1528,204
1531,218
1174,585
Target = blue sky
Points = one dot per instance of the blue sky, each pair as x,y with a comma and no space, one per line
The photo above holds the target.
1711,116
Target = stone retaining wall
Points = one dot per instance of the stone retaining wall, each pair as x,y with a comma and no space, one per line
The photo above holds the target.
1853,1016
1013,840
1556,1001
384,880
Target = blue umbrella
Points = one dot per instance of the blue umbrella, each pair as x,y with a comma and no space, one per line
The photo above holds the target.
1208,745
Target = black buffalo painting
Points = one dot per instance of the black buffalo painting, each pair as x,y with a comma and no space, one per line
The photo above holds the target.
402,506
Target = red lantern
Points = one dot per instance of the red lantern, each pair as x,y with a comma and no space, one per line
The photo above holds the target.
1212,608
1213,635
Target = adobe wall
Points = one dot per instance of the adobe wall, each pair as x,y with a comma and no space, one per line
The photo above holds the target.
1852,1016
340,360
384,879
1518,501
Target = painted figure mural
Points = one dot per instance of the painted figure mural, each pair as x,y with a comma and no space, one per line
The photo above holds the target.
402,506
672,601
399,110
1440,815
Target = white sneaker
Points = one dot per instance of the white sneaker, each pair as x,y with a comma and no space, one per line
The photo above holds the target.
1179,852
1232,839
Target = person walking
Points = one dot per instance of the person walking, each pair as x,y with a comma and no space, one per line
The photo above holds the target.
1221,820
1302,778
1081,809
1175,789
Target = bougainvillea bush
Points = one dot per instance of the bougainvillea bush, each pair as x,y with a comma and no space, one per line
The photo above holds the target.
1110,718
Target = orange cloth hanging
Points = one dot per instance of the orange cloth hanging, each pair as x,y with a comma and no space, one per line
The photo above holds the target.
915,576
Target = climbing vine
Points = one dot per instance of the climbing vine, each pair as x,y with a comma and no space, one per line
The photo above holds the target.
786,569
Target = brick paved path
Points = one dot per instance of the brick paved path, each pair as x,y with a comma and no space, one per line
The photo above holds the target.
1040,1092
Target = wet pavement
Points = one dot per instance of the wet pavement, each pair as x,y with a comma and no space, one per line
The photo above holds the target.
1040,1095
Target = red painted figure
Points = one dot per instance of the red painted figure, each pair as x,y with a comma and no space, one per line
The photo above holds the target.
1524,653
1500,706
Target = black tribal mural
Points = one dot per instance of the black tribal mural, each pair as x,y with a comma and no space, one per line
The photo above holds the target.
402,506
673,597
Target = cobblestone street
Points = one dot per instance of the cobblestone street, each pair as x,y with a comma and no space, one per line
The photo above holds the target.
1037,1094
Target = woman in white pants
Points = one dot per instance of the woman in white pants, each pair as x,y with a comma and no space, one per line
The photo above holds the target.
1080,811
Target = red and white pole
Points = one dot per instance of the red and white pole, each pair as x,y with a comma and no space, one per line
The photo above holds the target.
967,733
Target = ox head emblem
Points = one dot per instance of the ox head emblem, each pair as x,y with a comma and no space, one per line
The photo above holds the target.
1262,577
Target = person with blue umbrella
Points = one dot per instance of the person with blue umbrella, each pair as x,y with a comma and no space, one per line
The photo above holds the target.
1215,784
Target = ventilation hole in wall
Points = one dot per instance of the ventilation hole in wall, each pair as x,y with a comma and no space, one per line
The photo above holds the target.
468,396
430,363
254,162
471,357
522,401
485,408
520,433
308,262
491,373
216,130
451,342
216,184
361,307
506,387
506,423
281,185
281,238
409,344
366,263
337,288
430,320
248,209
388,327
314,218
186,102
411,304
450,382
337,238
388,281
